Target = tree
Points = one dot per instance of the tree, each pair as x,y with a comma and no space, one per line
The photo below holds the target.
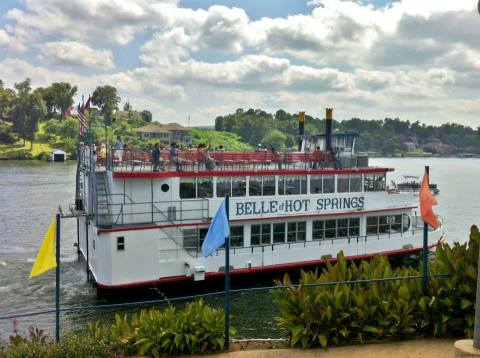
275,139
146,115
27,110
6,99
280,115
62,93
219,123
105,98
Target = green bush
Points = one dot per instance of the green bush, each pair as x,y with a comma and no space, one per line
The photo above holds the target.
325,315
196,328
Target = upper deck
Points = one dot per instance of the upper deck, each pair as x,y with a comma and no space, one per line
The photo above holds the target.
139,163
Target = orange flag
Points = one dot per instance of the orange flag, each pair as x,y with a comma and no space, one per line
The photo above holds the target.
427,201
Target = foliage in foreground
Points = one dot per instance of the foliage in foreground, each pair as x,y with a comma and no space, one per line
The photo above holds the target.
196,328
396,309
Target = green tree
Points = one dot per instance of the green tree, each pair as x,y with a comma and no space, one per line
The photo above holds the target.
275,139
105,98
6,99
146,115
27,110
62,93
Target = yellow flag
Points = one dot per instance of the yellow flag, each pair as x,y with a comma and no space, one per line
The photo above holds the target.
46,257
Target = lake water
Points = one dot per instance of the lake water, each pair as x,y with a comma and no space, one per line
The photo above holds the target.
30,193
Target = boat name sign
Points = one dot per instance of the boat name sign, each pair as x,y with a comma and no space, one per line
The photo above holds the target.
297,205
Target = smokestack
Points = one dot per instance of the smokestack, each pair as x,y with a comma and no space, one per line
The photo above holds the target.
301,129
328,128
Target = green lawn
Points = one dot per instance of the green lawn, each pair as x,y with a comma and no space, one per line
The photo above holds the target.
18,150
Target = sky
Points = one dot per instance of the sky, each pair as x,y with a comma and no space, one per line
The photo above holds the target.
412,59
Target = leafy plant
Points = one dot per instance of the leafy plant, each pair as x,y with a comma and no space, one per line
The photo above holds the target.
394,309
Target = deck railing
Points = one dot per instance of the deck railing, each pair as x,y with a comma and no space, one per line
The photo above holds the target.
193,160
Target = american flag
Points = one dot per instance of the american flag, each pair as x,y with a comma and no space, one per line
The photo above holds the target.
81,109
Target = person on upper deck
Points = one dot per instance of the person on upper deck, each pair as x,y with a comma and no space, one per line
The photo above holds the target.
119,148
156,157
173,154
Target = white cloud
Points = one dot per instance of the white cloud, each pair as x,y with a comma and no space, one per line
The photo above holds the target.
417,59
78,54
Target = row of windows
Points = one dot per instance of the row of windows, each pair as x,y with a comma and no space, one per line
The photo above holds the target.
202,187
277,233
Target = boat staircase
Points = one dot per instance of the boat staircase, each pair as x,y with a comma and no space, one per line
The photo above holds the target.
104,215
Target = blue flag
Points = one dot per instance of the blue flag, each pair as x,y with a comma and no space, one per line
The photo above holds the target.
218,231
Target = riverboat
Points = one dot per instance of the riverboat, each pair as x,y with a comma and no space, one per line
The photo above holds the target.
411,183
140,227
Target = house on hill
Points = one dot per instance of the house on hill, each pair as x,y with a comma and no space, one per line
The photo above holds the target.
180,134
154,131
172,132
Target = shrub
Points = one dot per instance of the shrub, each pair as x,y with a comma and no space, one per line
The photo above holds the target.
324,315
196,328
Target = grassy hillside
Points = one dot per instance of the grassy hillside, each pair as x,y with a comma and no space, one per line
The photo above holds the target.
21,151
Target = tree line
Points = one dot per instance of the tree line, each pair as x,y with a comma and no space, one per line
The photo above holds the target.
24,107
387,136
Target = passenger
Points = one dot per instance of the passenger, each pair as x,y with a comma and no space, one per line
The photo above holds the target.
119,149
220,148
173,154
259,148
156,157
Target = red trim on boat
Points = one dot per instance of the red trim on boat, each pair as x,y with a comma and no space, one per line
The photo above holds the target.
252,270
223,173
355,212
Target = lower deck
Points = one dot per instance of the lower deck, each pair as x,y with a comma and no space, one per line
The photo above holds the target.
140,256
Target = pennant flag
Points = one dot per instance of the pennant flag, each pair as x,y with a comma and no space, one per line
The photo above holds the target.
46,259
427,201
218,231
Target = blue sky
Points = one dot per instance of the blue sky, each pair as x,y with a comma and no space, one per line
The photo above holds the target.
412,59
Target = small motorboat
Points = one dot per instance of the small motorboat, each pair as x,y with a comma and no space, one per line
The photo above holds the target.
412,184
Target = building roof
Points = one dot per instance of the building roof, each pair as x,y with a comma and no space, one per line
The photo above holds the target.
175,127
151,128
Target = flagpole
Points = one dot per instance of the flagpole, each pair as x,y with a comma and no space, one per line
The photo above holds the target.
227,279
57,281
425,244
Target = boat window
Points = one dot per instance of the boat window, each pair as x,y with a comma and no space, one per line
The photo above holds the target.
239,186
120,243
223,187
330,229
255,186
355,183
187,188
236,236
315,184
268,185
260,234
291,232
395,223
278,233
354,227
374,182
406,223
333,229
266,234
202,233
301,231
342,228
342,183
387,224
329,183
190,238
318,229
205,187
369,182
292,185
372,225
380,182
